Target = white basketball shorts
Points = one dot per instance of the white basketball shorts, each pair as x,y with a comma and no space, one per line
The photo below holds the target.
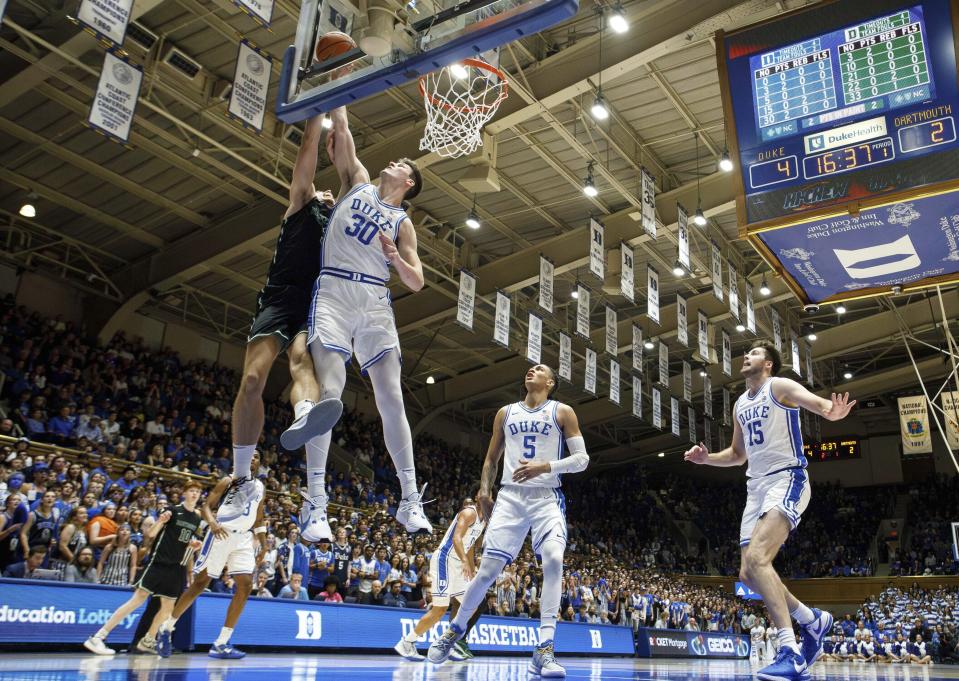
353,318
520,510
788,491
237,553
446,576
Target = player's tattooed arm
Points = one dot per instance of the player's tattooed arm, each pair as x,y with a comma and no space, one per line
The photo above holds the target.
484,499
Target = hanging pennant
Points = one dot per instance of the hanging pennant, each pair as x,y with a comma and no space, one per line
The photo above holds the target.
627,276
687,381
692,424
657,408
703,337
794,355
637,396
637,348
115,101
501,323
708,394
682,328
663,364
914,424
649,204
717,271
682,220
727,354
107,19
809,377
777,331
614,381
674,415
590,383
545,283
466,300
950,416
750,310
565,357
534,338
260,11
251,83
726,399
597,252
652,293
733,290
582,310
612,331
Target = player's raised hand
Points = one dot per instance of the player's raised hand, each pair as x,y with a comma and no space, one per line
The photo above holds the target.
696,454
530,469
841,405
389,249
326,196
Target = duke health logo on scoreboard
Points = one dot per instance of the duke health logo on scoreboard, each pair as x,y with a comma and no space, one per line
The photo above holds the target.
847,134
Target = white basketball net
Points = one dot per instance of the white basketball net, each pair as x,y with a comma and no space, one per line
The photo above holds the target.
457,107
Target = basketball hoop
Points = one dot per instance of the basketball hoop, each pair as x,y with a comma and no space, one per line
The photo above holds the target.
459,100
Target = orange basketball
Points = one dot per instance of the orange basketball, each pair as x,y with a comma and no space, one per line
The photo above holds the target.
332,45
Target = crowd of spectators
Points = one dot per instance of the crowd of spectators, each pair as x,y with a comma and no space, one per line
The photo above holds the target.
929,550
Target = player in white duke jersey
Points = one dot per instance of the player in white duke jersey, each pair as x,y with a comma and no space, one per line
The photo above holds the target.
351,313
231,542
767,435
529,436
452,567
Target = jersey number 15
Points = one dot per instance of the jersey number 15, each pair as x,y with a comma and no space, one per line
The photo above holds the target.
755,433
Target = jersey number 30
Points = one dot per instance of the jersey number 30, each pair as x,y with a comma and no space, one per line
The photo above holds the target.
363,229
755,433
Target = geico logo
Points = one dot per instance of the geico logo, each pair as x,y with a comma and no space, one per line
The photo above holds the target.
721,645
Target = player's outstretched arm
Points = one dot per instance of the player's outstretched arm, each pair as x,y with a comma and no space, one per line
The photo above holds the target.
484,499
302,190
734,455
790,392
347,165
211,503
403,256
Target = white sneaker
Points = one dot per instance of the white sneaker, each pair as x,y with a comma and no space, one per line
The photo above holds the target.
97,646
407,649
411,516
314,525
319,420
544,663
147,645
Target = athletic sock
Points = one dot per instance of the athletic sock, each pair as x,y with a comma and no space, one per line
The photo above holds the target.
101,634
803,615
242,458
787,639
168,624
301,408
317,450
411,637
546,633
407,477
224,637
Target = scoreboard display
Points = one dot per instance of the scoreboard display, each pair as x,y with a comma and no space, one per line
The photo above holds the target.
832,450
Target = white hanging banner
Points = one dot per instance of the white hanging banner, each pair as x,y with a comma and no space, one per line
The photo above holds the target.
717,272
259,10
914,423
652,293
637,348
794,355
726,400
687,381
703,327
727,354
682,220
565,357
108,19
115,101
682,321
750,310
545,283
251,83
582,311
501,323
534,339
637,396
612,331
590,383
614,381
674,415
950,408
657,408
708,433
649,204
627,276
663,364
597,251
708,394
691,413
777,331
466,300
809,377
3,8
733,290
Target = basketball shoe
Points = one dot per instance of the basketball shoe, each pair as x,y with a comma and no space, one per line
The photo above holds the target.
814,634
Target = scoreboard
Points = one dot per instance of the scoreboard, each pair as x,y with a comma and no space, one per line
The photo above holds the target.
832,450
838,109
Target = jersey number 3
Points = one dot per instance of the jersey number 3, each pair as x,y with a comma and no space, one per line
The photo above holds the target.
755,433
529,446
363,229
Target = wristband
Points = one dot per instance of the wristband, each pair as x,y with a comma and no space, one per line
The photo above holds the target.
259,530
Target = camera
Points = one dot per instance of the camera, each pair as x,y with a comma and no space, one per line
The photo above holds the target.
811,308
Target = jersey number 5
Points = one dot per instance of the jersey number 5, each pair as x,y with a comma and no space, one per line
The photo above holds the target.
529,445
363,229
755,433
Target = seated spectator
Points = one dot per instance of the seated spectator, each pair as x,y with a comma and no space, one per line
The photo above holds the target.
330,594
26,569
295,588
394,597
83,568
261,589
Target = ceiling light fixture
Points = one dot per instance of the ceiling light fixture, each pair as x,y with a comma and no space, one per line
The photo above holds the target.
472,220
326,123
575,293
840,309
725,163
847,374
589,187
599,109
661,455
459,71
649,345
679,270
764,287
699,218
617,19
430,380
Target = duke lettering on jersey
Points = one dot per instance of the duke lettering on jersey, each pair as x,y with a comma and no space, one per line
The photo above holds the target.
530,427
752,413
361,207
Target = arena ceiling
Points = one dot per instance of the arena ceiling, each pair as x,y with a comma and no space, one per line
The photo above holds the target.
181,224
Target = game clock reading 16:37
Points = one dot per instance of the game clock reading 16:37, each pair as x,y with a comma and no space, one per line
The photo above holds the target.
832,449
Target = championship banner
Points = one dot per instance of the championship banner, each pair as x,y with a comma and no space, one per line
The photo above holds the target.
687,381
565,357
637,348
582,311
260,11
682,321
682,220
657,408
614,381
733,290
914,424
115,101
674,415
777,330
794,355
750,309
627,276
251,83
637,396
809,377
590,384
950,408
597,253
691,413
727,354
703,337
501,323
466,300
546,283
726,398
717,271
534,341
708,395
663,364
612,331
652,293
108,19
649,204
